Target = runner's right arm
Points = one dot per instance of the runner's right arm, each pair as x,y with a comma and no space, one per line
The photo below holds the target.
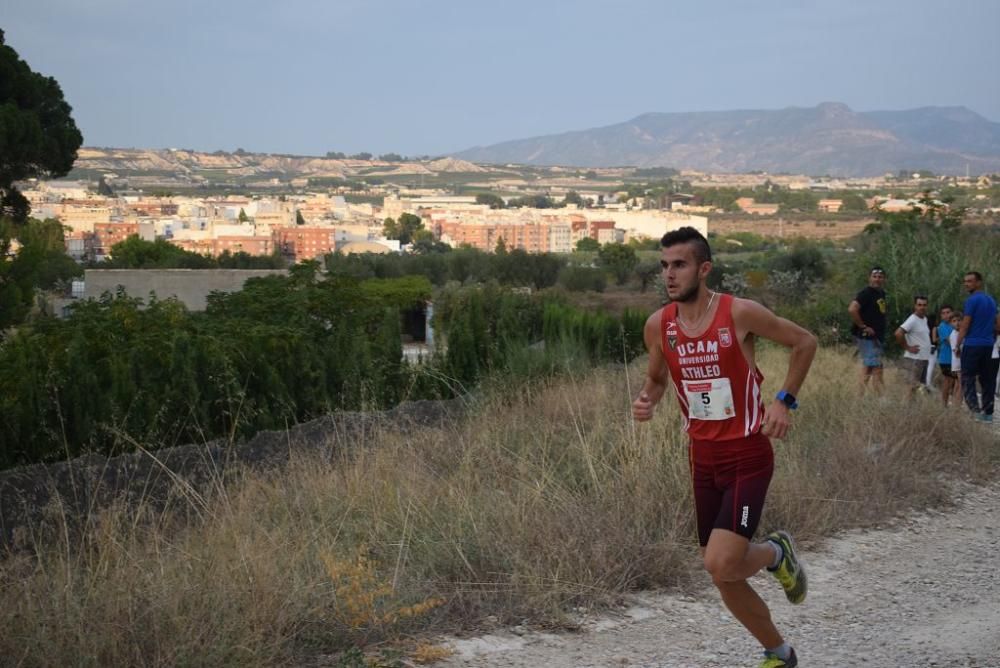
656,371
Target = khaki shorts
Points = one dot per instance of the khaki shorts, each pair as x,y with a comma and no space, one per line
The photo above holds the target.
916,370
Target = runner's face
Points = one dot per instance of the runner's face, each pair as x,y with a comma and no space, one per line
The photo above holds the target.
682,275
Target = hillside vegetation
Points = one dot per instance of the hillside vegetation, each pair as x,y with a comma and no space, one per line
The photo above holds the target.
546,498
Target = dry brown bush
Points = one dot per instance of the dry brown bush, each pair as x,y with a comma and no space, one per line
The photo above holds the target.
547,497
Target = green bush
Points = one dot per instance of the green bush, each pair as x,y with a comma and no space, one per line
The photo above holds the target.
119,372
576,278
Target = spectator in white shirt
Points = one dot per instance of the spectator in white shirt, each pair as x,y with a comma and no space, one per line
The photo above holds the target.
956,357
914,336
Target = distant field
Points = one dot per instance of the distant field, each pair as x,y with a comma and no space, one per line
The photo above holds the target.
458,179
826,227
215,174
782,227
85,173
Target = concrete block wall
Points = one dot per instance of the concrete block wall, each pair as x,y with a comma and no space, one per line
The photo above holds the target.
190,286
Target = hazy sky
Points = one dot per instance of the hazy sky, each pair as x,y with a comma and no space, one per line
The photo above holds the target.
434,76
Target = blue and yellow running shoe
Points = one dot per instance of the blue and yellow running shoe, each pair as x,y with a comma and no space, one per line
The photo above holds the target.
789,572
774,661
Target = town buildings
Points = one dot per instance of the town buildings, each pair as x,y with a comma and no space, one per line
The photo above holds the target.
307,227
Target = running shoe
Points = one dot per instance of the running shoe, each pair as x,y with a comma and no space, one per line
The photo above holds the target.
772,660
789,571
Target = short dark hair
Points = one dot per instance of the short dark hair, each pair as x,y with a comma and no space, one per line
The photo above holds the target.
979,277
916,297
945,306
684,235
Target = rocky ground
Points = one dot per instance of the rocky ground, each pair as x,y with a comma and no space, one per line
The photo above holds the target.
923,592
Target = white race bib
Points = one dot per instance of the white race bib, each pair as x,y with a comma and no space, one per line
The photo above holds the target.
709,399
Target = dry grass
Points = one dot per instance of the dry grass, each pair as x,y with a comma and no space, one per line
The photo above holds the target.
547,497
426,652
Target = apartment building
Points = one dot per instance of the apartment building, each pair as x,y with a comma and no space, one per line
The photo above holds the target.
317,208
603,231
201,245
107,235
79,245
393,206
229,208
243,244
649,224
544,235
749,205
265,221
82,218
154,207
306,242
560,237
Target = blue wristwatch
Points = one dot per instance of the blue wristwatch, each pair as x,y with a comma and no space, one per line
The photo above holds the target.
787,399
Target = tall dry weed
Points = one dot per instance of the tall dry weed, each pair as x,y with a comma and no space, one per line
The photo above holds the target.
546,497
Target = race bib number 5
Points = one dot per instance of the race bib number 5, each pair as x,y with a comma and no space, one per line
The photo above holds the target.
709,399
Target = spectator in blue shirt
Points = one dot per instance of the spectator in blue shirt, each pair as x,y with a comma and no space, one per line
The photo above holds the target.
976,334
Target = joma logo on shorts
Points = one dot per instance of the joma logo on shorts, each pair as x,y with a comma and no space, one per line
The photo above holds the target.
746,516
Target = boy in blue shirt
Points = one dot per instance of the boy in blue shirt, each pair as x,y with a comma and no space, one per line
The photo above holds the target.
943,331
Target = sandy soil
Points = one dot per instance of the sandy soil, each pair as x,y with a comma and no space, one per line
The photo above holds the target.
922,592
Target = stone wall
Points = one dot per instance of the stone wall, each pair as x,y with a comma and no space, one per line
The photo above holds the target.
190,286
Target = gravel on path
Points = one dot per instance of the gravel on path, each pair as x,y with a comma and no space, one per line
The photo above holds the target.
923,592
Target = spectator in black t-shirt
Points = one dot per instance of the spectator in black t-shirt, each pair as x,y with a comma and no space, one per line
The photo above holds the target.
867,311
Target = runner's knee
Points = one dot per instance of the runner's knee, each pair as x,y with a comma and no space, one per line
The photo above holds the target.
722,567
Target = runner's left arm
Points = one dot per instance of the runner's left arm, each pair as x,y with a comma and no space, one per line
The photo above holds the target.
755,319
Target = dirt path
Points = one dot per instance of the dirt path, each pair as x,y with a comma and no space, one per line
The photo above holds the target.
924,592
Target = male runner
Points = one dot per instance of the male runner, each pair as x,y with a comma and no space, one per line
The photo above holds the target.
702,343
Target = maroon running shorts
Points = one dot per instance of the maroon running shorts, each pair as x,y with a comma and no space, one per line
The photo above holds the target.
730,480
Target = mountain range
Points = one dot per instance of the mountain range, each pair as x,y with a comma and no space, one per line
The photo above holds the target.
829,139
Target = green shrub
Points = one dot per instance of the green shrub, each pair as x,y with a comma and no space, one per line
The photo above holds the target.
582,279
